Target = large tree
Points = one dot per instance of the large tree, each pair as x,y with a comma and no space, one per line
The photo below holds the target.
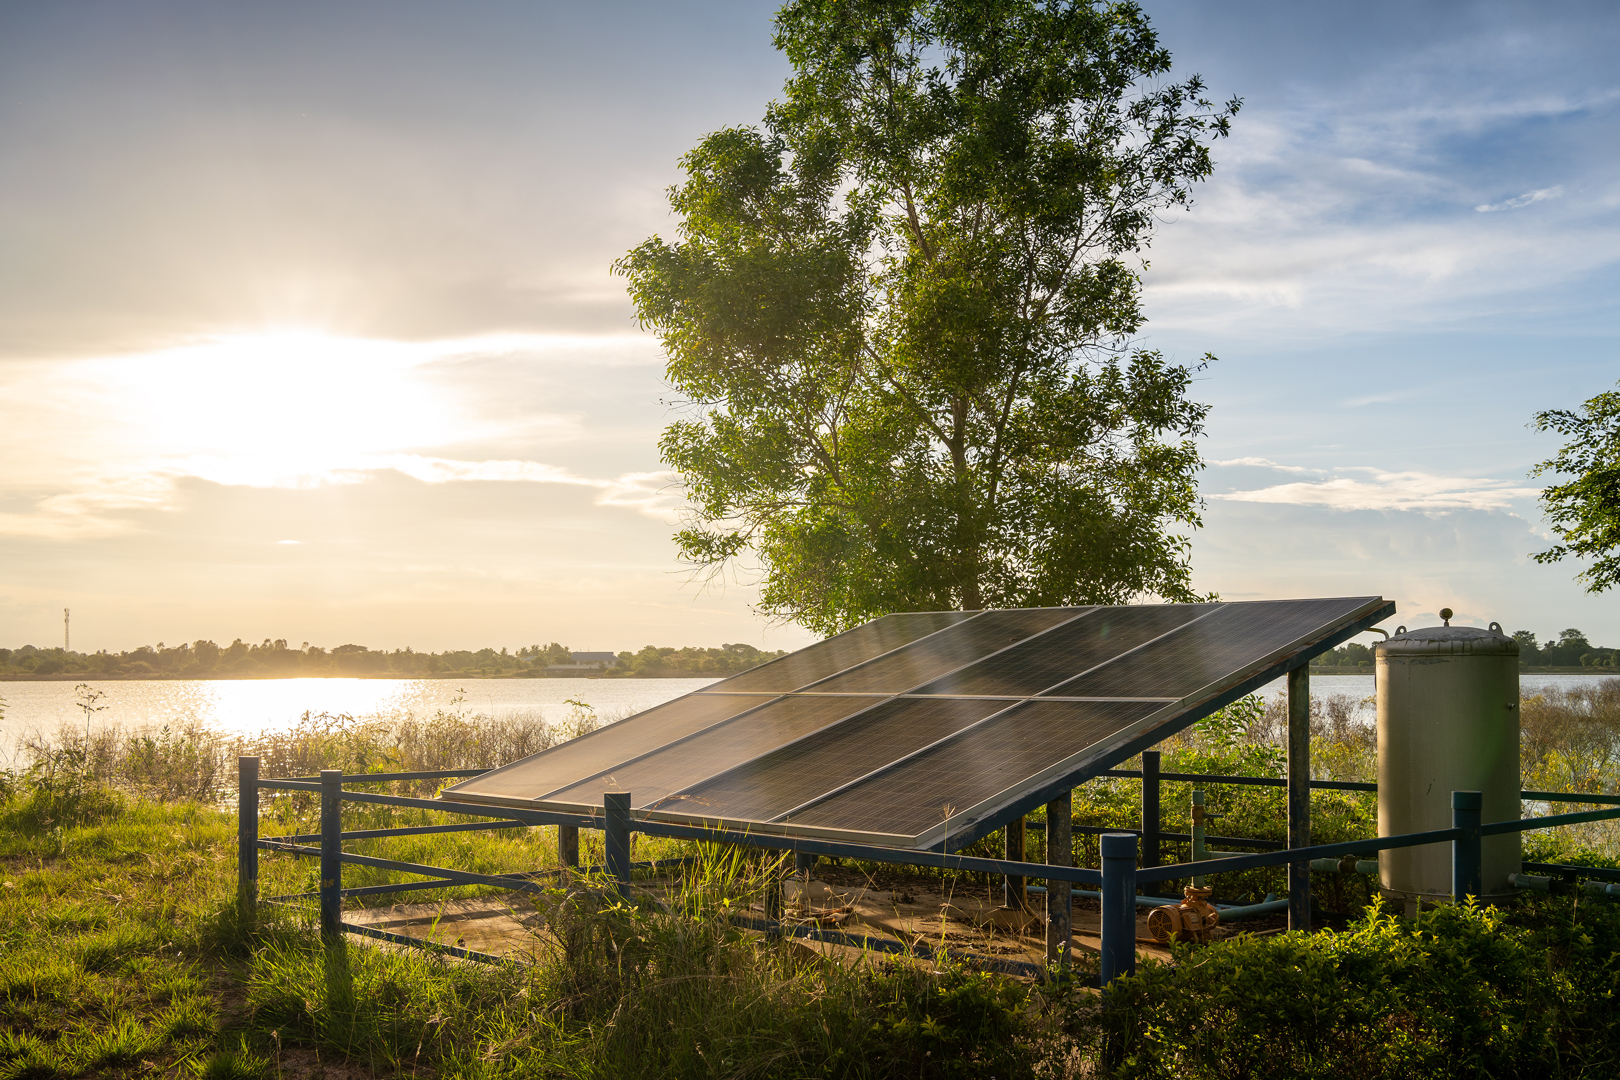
1585,511
899,314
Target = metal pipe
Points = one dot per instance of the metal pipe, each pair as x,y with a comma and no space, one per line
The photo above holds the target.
1118,929
1467,862
1299,794
247,837
1347,865
331,853
616,839
1249,911
1060,852
1599,888
1534,882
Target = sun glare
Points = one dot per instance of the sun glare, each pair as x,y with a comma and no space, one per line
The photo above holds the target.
283,408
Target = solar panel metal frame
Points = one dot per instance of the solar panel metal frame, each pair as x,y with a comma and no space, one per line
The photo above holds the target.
965,826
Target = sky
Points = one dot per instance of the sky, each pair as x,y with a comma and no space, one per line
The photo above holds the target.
308,328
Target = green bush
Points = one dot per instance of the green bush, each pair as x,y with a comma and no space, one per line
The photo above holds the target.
57,792
1459,991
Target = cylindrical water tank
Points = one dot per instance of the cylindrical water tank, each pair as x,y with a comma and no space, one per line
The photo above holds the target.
1448,720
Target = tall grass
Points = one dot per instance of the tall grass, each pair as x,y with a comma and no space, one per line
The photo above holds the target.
190,760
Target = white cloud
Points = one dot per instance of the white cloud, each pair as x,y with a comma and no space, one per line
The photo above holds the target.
1265,463
1381,490
1520,200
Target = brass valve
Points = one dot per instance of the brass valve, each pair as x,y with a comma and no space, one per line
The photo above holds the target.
1194,919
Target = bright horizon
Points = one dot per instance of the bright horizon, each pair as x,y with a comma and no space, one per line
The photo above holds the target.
307,329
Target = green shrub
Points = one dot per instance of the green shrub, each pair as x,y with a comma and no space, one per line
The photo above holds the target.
1459,991
58,791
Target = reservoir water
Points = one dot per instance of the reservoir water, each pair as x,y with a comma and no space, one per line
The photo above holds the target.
251,705
246,706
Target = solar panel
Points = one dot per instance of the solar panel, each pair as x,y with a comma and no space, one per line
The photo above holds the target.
840,653
930,729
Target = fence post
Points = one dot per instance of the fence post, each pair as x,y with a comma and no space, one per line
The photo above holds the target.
1150,808
616,839
1466,859
1299,795
1059,898
568,845
331,853
773,894
1013,851
1118,906
247,837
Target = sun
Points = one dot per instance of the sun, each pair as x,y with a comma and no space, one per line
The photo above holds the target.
282,408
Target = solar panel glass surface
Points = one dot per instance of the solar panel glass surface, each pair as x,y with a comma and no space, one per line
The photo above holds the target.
1099,636
945,651
606,747
723,746
836,654
774,783
1233,638
925,790
989,702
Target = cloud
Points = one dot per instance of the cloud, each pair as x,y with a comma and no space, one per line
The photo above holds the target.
1265,463
1381,490
94,443
1520,200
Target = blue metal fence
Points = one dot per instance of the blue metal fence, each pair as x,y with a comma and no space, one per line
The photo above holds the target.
1118,878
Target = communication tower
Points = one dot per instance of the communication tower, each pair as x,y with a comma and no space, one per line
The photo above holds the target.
66,640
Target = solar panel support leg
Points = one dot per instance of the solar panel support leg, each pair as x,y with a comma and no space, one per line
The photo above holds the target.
331,854
568,845
616,839
1013,886
804,863
1060,852
247,837
1299,795
1150,808
1118,906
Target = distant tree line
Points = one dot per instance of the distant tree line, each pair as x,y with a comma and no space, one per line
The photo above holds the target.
276,659
1570,649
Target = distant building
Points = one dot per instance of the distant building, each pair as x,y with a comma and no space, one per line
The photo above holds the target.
586,661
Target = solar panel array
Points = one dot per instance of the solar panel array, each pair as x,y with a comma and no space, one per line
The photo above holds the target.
929,729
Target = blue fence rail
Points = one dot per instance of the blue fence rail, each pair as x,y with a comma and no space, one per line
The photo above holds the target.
1129,857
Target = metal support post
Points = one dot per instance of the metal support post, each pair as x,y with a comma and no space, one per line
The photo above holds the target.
804,864
568,845
1013,848
773,894
1299,795
247,836
1150,808
1118,906
616,839
331,853
1467,865
1060,852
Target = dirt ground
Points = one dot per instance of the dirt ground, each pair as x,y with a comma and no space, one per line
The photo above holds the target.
896,906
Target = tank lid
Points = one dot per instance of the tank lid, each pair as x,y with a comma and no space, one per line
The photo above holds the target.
1452,639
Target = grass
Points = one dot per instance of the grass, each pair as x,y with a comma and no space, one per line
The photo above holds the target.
121,953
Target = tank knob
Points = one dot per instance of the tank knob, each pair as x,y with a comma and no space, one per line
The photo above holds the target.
1445,615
